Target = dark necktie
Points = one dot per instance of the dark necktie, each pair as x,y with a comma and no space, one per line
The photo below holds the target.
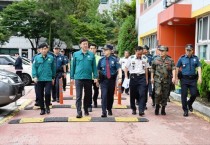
107,69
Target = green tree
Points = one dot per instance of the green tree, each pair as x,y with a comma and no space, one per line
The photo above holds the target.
127,39
22,19
4,35
74,19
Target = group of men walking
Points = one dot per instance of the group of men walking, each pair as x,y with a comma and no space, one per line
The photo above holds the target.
90,70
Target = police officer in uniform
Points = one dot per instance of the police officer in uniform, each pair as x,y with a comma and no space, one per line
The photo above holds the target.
43,73
108,67
137,66
160,76
60,69
188,77
149,86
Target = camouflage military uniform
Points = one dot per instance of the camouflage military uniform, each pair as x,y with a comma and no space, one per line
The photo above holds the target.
162,78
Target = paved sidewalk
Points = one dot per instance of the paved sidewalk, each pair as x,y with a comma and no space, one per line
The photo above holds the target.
170,129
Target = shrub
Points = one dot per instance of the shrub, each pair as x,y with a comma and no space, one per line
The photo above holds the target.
204,88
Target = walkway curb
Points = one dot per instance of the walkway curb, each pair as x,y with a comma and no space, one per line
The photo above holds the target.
196,105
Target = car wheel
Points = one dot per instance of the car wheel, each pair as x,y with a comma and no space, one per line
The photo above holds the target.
26,78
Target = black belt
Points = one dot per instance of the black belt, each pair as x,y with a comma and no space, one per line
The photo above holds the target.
137,74
190,77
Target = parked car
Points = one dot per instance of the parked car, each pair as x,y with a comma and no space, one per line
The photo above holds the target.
11,87
7,63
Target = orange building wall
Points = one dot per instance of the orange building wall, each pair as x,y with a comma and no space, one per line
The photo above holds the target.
176,37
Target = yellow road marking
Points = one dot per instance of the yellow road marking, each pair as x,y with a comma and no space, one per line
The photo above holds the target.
83,119
31,120
126,119
15,111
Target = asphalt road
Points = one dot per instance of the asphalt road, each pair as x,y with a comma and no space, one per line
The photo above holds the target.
170,129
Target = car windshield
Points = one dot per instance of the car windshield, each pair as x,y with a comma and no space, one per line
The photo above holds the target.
23,60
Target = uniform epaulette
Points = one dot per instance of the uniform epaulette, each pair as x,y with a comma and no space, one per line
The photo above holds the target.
183,55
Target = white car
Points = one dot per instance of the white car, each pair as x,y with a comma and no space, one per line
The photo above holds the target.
7,63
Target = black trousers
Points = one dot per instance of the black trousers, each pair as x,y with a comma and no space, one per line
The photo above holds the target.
137,91
107,94
64,82
192,86
55,87
44,92
19,73
95,94
87,85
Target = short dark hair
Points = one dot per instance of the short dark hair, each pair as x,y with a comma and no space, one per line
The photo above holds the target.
94,45
139,48
43,45
146,47
83,40
17,53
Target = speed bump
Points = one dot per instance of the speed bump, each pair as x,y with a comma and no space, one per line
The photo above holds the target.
126,119
74,107
74,119
31,120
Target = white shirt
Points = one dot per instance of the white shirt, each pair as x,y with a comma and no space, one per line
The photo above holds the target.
137,66
123,62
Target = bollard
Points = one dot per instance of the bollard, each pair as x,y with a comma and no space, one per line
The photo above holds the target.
71,88
115,91
119,94
61,91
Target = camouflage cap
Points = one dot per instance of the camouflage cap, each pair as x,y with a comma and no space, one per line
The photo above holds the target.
163,48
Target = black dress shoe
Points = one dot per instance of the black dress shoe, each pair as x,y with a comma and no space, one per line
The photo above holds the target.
190,108
103,115
86,113
79,116
110,112
185,113
53,100
36,104
57,100
42,112
141,113
134,112
127,93
145,107
48,110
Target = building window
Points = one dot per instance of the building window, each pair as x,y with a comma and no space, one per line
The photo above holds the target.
148,3
202,52
150,41
203,29
104,1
